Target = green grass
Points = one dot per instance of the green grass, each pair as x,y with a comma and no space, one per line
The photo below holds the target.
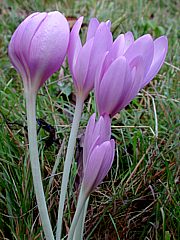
139,199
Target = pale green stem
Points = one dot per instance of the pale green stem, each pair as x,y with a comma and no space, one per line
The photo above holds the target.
35,165
78,234
79,210
68,162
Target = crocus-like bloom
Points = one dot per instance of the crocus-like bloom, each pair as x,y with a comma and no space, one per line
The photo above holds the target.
83,60
38,47
98,152
98,155
126,68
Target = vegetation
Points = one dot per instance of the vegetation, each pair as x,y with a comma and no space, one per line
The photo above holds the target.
139,198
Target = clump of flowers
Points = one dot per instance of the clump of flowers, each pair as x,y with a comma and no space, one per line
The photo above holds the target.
116,70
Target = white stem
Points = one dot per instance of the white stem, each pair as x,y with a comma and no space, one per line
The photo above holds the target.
78,233
79,210
68,162
35,165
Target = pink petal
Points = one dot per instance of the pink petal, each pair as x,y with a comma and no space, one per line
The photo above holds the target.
126,88
87,138
81,68
93,25
98,76
25,40
137,66
106,164
102,43
93,166
93,143
74,44
14,49
129,40
105,130
102,129
96,133
116,50
98,164
160,51
48,46
39,47
108,23
111,86
33,25
119,45
142,46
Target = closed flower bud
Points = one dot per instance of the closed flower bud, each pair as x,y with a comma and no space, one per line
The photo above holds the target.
38,47
98,153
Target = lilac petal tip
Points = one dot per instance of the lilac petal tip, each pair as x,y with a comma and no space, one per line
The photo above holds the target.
93,25
160,51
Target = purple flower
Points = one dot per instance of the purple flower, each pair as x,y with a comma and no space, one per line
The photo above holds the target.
98,152
38,47
126,68
83,60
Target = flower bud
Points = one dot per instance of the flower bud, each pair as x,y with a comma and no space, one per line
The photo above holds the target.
98,152
38,47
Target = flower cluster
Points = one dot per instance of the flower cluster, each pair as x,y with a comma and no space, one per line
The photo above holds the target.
116,70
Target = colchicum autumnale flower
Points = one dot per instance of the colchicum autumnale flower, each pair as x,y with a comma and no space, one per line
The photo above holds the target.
38,47
98,152
83,60
126,68
98,156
